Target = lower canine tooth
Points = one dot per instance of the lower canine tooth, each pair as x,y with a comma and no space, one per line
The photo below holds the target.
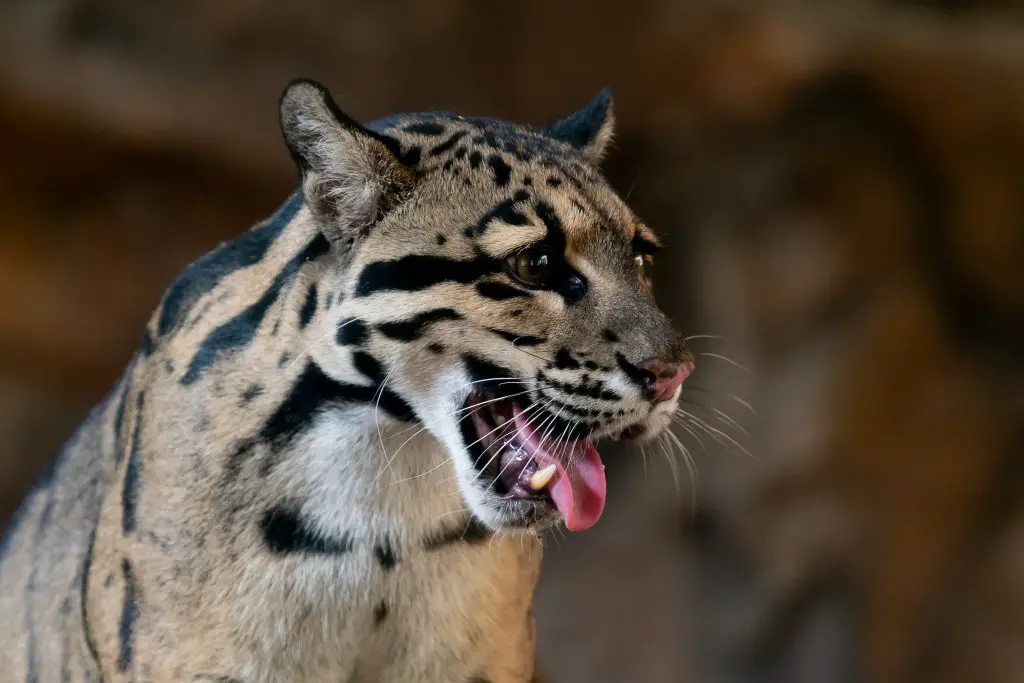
542,477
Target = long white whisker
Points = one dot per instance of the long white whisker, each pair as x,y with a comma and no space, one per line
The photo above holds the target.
728,360
376,420
682,423
691,466
716,434
734,397
692,337
671,465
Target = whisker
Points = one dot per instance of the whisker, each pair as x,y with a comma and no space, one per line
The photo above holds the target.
728,420
694,337
531,355
671,465
726,394
691,466
376,420
728,360
682,423
721,417
716,433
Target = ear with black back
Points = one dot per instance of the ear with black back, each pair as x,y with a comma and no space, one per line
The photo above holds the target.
351,177
589,129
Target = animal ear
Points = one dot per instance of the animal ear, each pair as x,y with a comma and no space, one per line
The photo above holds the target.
351,177
589,129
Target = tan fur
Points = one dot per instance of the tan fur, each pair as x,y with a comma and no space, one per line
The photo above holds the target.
250,504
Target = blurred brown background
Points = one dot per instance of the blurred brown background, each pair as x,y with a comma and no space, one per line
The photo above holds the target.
842,187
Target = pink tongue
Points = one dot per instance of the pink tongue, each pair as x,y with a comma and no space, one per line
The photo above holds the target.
579,488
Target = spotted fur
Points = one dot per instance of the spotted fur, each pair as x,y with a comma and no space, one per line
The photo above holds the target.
279,488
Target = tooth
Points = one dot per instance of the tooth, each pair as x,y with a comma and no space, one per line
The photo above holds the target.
542,477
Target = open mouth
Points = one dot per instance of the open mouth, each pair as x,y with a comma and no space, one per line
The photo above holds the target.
529,456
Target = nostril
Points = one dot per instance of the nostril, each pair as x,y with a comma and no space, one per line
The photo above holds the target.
646,379
669,378
659,381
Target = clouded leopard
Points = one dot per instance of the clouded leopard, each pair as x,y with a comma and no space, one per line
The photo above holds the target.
333,454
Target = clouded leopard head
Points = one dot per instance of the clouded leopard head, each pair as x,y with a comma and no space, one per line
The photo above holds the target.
501,287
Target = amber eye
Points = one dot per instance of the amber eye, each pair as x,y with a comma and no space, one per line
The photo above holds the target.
533,266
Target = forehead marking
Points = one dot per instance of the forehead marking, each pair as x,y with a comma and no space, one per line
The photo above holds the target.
505,212
448,144
427,128
502,171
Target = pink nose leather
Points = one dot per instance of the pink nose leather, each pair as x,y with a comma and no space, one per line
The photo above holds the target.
668,378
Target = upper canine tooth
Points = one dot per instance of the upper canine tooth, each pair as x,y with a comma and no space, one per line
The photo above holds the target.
542,477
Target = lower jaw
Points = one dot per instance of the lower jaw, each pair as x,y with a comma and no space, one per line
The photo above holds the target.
526,515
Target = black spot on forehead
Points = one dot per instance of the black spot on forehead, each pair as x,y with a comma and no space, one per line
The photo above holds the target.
518,141
424,128
506,212
547,215
501,170
448,144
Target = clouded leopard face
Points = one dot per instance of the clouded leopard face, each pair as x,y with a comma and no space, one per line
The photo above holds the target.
502,288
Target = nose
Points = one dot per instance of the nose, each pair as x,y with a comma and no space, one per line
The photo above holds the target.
662,380
658,379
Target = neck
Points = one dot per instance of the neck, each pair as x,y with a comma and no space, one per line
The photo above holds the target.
353,454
